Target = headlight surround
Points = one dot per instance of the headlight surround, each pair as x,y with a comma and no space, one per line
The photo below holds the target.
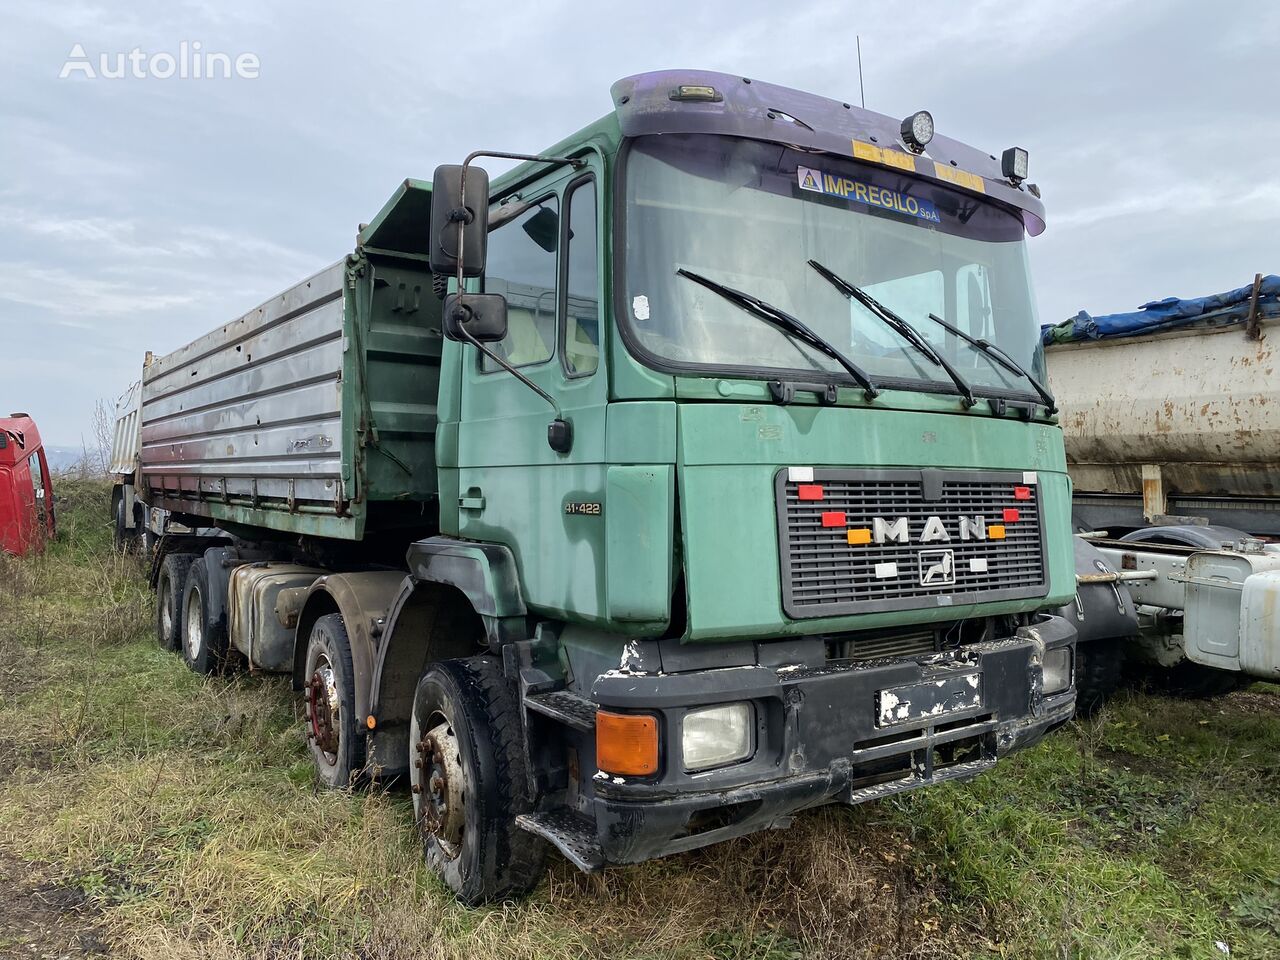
1057,670
717,736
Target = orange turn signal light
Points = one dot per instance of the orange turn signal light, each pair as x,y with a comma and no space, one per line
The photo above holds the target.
627,743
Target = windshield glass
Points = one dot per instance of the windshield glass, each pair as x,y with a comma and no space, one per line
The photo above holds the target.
750,215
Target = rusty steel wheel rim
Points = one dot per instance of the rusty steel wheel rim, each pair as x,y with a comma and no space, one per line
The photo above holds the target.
440,786
323,711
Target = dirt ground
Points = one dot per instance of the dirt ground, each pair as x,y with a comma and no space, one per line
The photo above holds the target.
42,921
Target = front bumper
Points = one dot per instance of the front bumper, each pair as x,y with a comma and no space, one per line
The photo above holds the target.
824,735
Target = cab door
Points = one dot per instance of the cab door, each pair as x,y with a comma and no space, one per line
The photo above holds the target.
544,256
42,495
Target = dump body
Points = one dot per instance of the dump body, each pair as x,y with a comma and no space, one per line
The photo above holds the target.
126,436
313,414
1188,417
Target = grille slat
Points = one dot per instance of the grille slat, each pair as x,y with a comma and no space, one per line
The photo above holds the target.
824,575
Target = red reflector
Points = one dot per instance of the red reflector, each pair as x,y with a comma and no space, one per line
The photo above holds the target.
1011,516
834,519
810,491
1022,493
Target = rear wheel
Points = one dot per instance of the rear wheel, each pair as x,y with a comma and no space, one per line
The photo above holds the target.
171,586
120,538
1198,682
468,778
336,742
204,635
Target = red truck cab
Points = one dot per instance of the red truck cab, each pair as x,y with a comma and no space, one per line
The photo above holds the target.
26,490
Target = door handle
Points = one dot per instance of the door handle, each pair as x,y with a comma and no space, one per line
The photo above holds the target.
472,501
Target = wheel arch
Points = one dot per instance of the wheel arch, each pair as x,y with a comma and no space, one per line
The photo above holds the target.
428,621
363,600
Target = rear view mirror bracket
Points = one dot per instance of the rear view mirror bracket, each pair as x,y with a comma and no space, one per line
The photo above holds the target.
471,317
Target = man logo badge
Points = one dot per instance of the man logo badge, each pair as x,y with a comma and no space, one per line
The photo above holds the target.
937,568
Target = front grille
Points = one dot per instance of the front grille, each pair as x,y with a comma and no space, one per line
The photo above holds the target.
824,574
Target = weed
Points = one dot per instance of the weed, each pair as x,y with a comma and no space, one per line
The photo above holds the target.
184,812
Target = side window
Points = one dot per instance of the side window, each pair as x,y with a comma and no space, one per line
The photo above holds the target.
522,267
37,480
582,278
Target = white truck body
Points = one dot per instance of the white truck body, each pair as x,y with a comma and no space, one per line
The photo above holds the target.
1181,429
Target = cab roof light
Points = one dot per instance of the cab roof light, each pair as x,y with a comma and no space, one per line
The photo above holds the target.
695,93
1013,164
627,743
917,130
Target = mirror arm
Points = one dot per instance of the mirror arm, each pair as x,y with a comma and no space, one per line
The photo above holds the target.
465,216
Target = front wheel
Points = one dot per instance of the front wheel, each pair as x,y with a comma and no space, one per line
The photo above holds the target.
468,779
1099,671
336,743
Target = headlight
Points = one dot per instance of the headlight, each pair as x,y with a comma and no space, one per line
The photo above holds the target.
1057,670
715,736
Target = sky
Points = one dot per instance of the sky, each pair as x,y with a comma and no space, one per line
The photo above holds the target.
138,213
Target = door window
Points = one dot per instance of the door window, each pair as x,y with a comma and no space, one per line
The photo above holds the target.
582,278
37,485
521,266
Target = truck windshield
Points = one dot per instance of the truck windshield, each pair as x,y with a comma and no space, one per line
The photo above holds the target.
749,215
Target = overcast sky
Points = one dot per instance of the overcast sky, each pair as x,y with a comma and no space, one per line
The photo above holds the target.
136,214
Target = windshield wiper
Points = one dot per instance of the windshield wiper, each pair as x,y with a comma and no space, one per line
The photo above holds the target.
899,326
1002,358
784,321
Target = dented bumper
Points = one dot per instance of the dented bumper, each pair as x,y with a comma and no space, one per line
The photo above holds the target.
842,733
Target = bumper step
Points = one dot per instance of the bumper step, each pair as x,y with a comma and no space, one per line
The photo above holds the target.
569,708
572,834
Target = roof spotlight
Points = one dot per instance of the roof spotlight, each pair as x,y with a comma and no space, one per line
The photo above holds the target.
1013,164
917,130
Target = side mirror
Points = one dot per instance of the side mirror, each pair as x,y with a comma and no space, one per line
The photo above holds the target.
475,316
459,226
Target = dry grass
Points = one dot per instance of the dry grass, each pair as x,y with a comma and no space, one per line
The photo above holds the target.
185,809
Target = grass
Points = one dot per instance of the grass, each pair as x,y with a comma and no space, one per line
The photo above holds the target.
184,810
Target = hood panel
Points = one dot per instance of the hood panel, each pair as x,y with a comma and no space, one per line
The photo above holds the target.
730,455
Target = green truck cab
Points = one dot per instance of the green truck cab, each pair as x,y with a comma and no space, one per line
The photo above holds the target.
720,467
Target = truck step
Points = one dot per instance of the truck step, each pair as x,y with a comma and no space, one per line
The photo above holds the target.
572,834
569,708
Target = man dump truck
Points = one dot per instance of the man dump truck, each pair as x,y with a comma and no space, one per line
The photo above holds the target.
1172,422
695,473
26,488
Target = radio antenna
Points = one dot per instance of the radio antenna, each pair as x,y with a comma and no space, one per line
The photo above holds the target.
861,90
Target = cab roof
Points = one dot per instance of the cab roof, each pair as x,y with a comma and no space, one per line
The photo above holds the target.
748,108
18,437
764,111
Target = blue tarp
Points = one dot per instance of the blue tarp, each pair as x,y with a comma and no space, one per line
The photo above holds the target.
1168,314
